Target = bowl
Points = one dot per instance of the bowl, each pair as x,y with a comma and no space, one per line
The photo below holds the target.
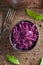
16,4
24,35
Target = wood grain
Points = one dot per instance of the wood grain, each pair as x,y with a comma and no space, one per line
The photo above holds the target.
33,56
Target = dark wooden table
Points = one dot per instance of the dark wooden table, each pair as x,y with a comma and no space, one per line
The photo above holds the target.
31,57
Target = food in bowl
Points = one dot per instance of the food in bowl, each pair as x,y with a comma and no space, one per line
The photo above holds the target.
24,35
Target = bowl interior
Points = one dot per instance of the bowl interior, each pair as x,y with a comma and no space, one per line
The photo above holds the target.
24,35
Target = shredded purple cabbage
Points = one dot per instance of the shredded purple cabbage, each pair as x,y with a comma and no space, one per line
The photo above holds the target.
24,35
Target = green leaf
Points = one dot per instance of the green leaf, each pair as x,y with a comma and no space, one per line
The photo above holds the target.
34,14
12,59
41,62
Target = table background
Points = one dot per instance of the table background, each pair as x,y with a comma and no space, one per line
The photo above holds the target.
31,57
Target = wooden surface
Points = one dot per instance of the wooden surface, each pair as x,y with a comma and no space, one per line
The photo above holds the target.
31,57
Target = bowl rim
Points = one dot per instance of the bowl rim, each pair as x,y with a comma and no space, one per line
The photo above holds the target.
17,48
